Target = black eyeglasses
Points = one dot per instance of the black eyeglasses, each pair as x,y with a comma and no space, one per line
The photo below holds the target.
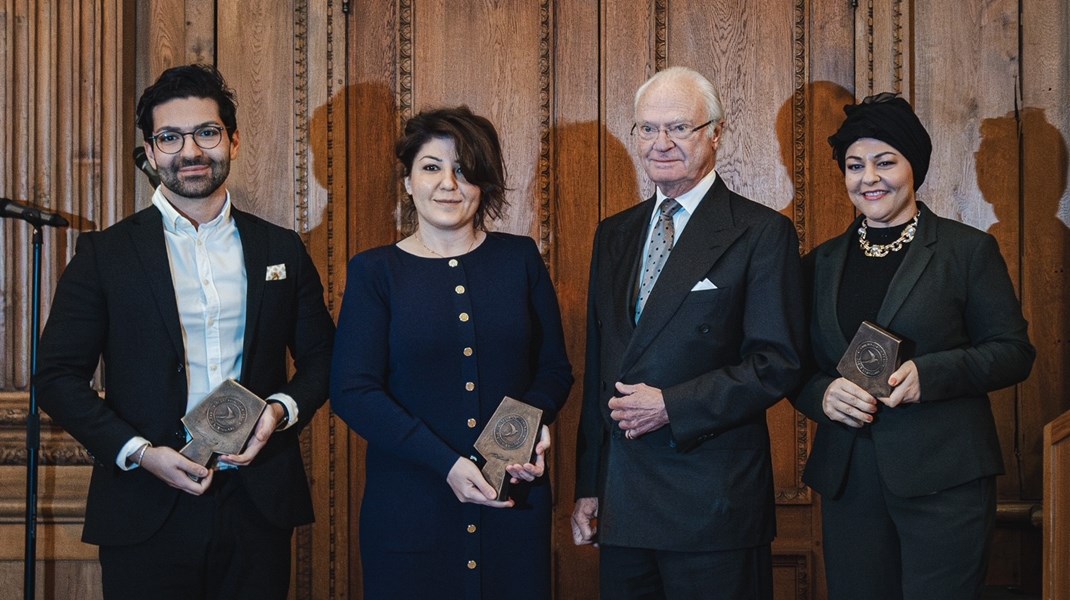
678,132
171,142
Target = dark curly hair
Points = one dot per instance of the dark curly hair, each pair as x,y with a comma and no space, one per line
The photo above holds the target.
478,151
188,81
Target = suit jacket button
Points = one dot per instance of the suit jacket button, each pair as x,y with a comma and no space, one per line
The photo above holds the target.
180,368
703,328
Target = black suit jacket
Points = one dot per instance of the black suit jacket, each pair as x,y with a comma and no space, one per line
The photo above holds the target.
721,358
116,301
953,298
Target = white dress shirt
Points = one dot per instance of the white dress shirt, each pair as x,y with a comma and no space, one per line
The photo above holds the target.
689,202
208,273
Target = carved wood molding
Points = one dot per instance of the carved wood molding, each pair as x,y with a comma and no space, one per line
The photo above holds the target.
661,34
337,563
404,71
799,114
57,447
897,45
882,63
546,98
800,563
301,118
869,51
800,494
303,535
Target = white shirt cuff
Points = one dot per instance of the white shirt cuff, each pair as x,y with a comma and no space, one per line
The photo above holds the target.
128,449
289,405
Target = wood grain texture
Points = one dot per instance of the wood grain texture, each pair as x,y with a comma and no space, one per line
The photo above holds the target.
255,45
747,50
1057,508
1044,202
968,101
580,142
324,86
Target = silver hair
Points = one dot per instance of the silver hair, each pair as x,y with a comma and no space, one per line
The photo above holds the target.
709,94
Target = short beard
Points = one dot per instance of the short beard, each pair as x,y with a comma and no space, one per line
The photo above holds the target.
201,187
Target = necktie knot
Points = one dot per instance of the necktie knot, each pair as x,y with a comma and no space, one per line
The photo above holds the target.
668,208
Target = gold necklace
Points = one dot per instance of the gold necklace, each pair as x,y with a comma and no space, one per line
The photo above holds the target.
880,250
420,239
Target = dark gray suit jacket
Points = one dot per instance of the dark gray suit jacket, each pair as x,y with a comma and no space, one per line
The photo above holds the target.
721,358
953,298
116,301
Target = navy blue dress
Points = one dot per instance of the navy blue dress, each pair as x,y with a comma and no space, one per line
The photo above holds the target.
426,350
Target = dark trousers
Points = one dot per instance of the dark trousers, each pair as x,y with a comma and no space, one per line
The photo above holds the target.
885,547
212,546
644,574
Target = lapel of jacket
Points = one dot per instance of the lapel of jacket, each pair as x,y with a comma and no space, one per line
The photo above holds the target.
624,246
255,250
828,274
919,253
709,233
147,237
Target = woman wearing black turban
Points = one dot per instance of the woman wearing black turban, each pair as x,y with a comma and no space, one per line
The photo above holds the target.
907,476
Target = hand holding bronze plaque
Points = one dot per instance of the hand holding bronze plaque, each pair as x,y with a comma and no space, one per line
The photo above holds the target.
872,357
508,439
222,422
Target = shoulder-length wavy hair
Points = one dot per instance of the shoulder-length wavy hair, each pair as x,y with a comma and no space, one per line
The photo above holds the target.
478,151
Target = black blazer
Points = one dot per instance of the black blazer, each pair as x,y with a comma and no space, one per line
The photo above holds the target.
116,301
721,358
953,298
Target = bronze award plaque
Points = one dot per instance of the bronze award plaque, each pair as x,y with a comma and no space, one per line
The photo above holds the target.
222,422
508,439
872,357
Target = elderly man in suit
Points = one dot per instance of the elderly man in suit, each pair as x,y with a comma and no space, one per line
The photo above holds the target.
695,327
176,299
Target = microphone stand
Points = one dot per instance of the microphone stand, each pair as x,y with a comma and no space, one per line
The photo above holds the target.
38,219
33,426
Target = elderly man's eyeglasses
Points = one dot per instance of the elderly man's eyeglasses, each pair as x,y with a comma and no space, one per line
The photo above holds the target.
171,142
678,132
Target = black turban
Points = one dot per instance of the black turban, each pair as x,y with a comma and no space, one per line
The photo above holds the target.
890,119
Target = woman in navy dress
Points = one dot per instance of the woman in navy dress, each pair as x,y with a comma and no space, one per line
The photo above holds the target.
434,331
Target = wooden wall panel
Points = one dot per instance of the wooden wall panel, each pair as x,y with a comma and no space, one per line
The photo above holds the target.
255,45
170,33
487,55
66,76
747,49
633,48
1044,202
323,88
583,154
967,100
376,75
1057,511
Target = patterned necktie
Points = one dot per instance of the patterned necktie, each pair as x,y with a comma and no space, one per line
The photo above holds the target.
661,240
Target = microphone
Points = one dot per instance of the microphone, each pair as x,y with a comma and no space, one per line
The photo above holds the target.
141,161
9,209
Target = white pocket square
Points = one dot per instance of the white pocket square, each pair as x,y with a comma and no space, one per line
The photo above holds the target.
275,272
705,284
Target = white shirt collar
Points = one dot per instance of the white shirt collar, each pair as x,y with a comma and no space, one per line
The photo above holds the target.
173,220
691,198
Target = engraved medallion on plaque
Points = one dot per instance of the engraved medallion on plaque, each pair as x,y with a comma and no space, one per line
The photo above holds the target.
222,423
874,354
508,439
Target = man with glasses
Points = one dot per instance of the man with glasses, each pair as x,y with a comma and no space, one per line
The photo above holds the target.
176,299
695,327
